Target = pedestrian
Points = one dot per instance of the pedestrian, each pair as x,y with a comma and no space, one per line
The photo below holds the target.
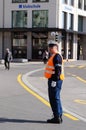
54,73
45,56
8,59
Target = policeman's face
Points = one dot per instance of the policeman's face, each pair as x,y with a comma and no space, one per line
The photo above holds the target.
52,49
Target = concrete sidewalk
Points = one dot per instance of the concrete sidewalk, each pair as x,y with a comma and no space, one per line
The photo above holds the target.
66,63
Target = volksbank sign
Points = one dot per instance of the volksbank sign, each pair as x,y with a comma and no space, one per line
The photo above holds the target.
29,6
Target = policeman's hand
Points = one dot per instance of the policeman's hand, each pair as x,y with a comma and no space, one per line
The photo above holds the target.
53,84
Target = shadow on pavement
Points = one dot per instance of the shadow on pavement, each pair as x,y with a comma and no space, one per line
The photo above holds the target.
3,120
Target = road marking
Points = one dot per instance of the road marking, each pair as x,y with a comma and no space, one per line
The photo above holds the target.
81,66
73,75
72,66
40,98
71,117
32,92
81,101
42,78
77,77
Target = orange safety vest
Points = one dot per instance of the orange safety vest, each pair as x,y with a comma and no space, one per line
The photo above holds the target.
50,69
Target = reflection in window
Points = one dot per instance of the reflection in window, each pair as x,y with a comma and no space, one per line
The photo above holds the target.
19,1
40,18
64,1
70,46
19,19
64,20
84,4
70,21
80,4
80,23
71,2
19,42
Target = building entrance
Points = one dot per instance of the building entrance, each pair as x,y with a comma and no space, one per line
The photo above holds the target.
80,48
70,46
19,45
39,44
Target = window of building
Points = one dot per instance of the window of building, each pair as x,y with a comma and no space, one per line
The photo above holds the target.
19,18
84,4
80,4
40,18
19,1
40,0
71,2
64,20
70,46
80,23
70,21
39,44
64,1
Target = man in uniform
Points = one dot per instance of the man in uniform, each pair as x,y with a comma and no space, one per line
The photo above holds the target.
54,73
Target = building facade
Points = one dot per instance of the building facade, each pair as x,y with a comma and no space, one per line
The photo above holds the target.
27,25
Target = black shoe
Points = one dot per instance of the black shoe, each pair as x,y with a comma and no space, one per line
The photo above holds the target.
61,119
55,120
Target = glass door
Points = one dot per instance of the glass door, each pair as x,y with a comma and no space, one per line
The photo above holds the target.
19,46
39,45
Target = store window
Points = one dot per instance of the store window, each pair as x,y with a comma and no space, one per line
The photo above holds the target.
19,1
39,44
40,0
40,18
70,21
19,19
64,20
84,4
80,23
19,45
80,48
63,49
70,46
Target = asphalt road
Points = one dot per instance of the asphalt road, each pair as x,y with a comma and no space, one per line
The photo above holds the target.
19,109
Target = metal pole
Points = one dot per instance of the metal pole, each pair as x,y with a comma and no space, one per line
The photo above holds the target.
3,32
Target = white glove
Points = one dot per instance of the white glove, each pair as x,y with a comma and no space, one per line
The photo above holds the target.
53,84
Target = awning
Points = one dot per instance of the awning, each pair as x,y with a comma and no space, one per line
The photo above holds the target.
30,29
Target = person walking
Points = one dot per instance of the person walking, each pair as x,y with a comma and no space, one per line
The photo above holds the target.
8,59
54,74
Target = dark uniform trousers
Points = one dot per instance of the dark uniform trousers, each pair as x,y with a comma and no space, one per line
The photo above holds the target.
54,97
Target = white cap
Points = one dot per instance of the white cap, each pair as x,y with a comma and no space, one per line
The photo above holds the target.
7,49
52,43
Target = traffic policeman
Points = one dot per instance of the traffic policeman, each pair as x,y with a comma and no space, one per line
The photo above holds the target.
54,74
